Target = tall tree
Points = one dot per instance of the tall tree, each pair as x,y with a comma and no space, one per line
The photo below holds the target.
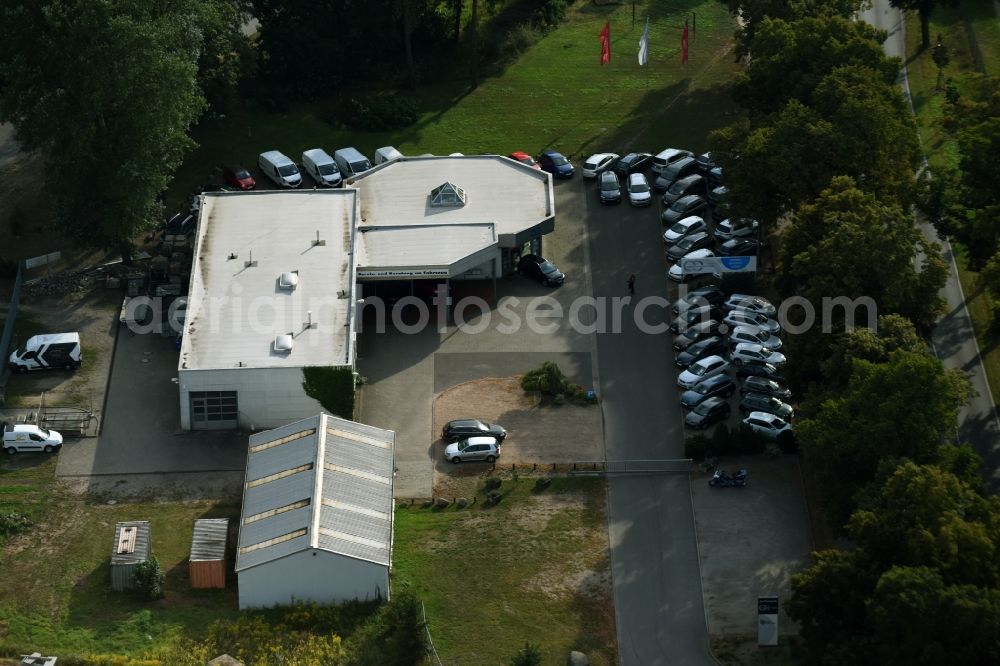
108,89
750,13
924,8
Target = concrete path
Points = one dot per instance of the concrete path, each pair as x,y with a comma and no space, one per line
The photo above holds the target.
953,339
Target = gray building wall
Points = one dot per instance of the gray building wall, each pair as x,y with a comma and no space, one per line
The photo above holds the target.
268,397
312,575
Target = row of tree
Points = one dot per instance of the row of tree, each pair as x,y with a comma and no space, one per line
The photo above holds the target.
826,152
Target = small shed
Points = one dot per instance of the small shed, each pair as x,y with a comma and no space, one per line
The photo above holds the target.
132,546
207,563
36,659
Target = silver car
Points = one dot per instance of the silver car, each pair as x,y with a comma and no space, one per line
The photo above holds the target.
473,448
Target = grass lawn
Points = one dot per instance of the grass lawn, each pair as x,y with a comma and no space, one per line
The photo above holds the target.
533,568
55,593
736,650
556,95
984,24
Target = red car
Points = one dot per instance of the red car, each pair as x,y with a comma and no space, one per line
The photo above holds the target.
238,177
524,158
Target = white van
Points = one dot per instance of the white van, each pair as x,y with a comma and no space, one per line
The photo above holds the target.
666,157
46,352
321,167
386,153
24,437
351,162
279,168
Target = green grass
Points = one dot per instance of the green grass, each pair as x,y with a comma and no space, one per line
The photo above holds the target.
55,589
742,650
556,95
493,578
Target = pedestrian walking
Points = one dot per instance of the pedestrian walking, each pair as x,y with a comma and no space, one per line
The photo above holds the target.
631,284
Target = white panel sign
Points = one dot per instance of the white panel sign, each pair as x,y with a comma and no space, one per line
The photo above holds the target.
719,265
767,620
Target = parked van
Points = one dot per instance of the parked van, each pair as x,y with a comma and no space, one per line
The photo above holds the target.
24,437
45,352
674,171
666,157
321,167
351,162
385,154
279,168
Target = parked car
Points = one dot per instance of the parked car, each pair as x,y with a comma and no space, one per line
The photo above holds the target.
238,177
707,294
25,437
350,162
718,200
464,428
387,154
321,167
737,247
686,166
49,351
694,333
524,158
707,413
668,156
736,318
755,336
633,163
702,369
638,190
705,163
759,369
686,206
693,316
736,227
599,163
716,386
540,269
707,347
684,227
717,194
474,448
766,424
747,351
279,168
765,386
556,163
682,187
761,402
609,189
677,273
689,243
715,177
751,303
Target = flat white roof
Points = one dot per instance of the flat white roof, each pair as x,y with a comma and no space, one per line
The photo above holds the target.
440,246
513,196
235,310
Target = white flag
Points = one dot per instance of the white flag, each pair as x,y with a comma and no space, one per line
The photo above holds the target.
644,45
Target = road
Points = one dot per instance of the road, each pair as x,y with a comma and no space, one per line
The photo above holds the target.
654,559
953,338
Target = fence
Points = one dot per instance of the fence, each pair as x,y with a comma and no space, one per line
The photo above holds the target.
601,467
430,642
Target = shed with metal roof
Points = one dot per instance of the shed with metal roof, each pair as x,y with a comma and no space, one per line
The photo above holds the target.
207,562
316,523
132,546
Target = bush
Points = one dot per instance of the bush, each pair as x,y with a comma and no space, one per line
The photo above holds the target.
529,655
333,388
13,523
381,113
547,379
520,39
551,12
148,579
696,447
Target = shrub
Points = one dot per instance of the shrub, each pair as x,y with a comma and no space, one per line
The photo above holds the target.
381,113
333,388
529,655
148,578
547,378
695,447
13,523
520,39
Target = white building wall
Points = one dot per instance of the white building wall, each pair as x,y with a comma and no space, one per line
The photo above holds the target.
267,397
312,575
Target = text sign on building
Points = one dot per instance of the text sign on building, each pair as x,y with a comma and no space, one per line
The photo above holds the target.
719,265
767,620
403,273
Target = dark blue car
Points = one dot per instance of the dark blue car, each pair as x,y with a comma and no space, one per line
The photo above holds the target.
717,386
555,163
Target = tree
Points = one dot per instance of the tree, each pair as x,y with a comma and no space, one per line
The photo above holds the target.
108,89
751,12
901,409
941,57
893,332
924,9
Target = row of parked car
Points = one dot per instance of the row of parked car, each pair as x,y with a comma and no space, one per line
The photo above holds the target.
468,440
715,333
324,169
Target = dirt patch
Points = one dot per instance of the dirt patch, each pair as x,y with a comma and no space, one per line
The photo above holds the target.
536,433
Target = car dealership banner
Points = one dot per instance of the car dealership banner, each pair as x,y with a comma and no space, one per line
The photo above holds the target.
767,620
719,265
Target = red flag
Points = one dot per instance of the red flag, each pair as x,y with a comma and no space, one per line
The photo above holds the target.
606,43
684,44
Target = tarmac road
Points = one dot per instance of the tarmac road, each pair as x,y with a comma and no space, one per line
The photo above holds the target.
953,339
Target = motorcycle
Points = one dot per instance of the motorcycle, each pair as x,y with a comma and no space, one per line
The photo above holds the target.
721,479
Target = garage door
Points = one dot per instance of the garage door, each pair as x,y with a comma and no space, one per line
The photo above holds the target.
214,410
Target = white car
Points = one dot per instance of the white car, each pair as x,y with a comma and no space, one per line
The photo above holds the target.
598,163
638,190
685,227
26,437
736,318
473,448
767,424
678,274
752,303
709,366
756,336
745,351
740,227
664,158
